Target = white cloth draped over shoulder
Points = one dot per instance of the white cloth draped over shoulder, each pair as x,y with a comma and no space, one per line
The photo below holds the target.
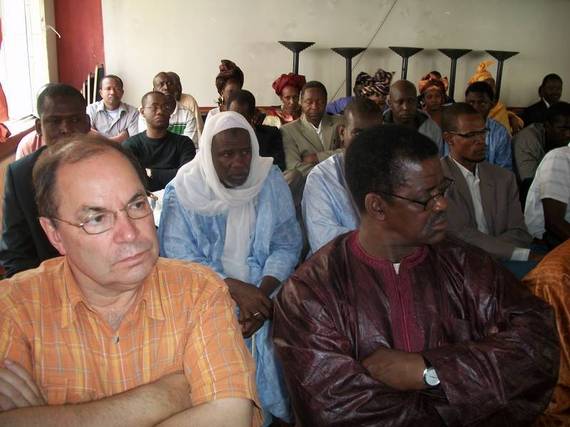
199,189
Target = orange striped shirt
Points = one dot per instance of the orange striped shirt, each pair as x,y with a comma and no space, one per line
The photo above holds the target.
183,318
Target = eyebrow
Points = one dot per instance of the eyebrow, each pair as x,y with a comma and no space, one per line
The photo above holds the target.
86,209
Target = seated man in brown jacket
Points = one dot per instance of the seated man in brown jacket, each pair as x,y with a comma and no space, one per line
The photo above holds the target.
484,206
396,324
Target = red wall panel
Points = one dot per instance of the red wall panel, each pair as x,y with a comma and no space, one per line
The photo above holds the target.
80,47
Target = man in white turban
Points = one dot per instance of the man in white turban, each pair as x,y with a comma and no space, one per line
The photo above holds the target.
231,210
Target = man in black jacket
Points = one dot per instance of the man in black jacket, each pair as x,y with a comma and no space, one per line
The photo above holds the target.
24,245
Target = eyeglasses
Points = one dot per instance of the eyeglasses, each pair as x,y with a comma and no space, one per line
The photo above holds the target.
471,135
428,204
104,220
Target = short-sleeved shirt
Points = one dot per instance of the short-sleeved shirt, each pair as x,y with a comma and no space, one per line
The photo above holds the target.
183,318
552,181
111,125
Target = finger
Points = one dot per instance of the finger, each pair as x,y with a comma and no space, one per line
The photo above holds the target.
24,375
6,403
265,308
13,393
252,328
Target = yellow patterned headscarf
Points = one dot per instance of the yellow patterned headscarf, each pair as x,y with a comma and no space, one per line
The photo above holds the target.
482,73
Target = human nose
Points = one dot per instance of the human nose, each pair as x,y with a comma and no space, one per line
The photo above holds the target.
441,203
124,229
65,127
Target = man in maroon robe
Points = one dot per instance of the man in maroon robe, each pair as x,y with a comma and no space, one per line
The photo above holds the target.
397,324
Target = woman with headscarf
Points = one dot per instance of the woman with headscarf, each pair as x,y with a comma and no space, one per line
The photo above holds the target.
432,99
375,88
499,112
231,210
229,80
287,87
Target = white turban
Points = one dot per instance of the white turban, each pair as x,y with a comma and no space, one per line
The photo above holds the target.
199,190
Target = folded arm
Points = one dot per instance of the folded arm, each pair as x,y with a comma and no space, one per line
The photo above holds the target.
146,405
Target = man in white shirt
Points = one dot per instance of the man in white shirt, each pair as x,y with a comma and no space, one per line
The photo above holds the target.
547,209
111,117
484,207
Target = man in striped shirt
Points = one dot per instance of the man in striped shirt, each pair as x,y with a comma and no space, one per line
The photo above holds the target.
109,333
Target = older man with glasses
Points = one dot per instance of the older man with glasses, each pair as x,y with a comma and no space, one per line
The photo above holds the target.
396,324
484,206
109,333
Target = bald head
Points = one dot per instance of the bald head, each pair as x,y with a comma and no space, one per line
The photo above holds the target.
164,83
403,102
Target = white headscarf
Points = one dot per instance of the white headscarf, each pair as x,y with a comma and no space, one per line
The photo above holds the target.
199,190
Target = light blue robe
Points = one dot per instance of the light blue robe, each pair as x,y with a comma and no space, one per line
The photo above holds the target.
328,210
275,251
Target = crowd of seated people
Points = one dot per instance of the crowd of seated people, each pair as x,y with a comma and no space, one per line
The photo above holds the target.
372,260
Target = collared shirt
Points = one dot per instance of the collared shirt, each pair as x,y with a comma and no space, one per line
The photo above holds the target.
183,318
28,144
319,131
111,125
550,182
473,183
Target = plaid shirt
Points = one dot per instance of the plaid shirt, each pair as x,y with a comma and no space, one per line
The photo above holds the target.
183,318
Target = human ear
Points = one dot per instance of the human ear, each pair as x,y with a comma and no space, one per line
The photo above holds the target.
374,206
52,234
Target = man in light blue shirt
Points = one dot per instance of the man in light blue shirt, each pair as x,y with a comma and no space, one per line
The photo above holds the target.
328,210
232,210
498,141
110,116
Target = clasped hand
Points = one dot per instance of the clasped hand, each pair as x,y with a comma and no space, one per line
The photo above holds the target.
255,307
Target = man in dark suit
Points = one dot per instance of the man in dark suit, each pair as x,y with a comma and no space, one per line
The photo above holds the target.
24,245
484,207
269,137
550,92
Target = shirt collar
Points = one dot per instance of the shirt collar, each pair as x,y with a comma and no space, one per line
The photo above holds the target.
101,106
71,296
546,103
464,171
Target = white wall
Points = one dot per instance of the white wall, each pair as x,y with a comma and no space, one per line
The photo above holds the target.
143,37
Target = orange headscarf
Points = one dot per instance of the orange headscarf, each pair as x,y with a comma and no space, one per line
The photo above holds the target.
482,73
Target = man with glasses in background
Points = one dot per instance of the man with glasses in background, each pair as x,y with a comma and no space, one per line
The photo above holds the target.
484,208
158,150
109,333
396,324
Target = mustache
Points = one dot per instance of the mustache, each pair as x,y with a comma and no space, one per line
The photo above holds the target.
131,249
438,217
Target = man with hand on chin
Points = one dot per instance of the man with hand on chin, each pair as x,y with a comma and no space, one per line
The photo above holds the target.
396,324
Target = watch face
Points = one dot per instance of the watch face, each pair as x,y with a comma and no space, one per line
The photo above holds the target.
431,378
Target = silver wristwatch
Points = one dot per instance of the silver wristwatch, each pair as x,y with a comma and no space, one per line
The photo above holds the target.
430,376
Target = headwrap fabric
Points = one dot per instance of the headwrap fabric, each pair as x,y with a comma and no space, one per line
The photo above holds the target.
199,190
433,84
291,79
367,85
482,73
228,71
425,80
